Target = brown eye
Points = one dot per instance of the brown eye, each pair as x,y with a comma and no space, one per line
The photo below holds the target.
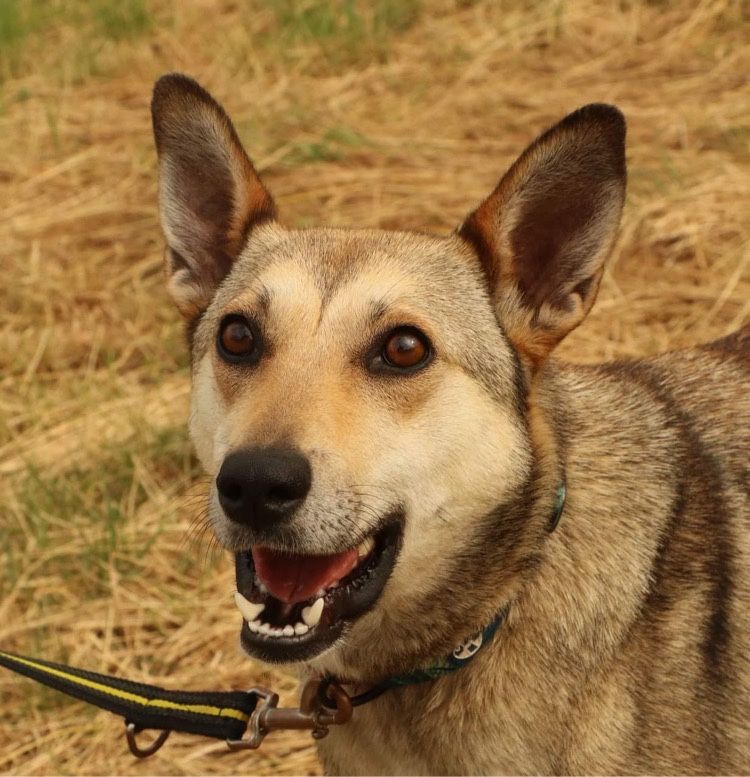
406,349
238,341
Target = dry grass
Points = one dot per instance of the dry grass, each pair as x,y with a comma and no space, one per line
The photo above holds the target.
394,114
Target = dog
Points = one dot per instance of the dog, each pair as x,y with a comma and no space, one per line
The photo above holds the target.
388,441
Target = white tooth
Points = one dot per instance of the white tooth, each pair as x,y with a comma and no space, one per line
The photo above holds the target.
311,615
264,628
301,628
276,632
288,630
250,610
366,547
253,625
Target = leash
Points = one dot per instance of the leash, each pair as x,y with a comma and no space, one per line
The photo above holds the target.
241,718
228,715
219,715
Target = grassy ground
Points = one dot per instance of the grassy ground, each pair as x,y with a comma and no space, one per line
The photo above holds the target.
394,113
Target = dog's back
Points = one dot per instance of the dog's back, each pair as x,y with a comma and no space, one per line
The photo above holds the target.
693,645
669,436
711,383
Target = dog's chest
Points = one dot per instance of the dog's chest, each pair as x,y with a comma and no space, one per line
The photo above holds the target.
363,748
395,738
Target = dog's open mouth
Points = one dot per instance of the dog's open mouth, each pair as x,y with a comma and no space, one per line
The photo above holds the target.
295,606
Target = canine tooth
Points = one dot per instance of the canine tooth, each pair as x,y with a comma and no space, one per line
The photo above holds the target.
250,610
311,615
288,630
301,628
366,547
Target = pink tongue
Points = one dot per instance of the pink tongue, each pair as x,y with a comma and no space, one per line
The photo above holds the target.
293,578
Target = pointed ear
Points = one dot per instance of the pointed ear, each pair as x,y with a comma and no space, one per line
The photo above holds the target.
545,232
210,196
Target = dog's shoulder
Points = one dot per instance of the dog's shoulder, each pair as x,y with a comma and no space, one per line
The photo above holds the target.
710,388
712,381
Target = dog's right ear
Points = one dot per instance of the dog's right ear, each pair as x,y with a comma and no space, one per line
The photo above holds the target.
210,196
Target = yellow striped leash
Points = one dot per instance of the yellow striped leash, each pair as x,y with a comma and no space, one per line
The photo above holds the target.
221,715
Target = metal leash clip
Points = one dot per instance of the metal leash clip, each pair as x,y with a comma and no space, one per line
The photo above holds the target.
314,713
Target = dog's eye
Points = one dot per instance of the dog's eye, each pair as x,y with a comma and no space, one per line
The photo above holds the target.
238,341
406,348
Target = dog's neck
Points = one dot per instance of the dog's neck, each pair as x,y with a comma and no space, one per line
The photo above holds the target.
462,654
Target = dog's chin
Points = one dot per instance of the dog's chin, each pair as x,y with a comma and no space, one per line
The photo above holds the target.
288,628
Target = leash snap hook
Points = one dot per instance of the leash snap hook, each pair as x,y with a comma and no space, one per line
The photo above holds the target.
314,713
256,726
131,731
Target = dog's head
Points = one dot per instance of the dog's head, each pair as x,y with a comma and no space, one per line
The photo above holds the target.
361,398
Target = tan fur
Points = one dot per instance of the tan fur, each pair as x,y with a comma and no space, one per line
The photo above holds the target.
627,643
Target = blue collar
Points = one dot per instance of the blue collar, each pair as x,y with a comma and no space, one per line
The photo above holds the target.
462,654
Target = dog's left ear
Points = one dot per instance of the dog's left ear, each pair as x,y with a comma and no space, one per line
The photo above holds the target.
210,196
545,232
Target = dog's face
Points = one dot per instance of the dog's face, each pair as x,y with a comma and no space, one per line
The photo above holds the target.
362,399
364,396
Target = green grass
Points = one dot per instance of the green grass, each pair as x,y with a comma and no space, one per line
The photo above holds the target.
73,39
87,525
17,22
12,27
121,19
333,145
29,27
346,31
92,507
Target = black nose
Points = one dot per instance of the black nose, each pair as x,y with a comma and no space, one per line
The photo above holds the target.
260,487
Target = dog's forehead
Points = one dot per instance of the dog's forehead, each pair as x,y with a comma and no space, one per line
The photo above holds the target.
437,273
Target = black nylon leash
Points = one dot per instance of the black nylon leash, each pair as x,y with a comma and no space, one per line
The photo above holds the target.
221,715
